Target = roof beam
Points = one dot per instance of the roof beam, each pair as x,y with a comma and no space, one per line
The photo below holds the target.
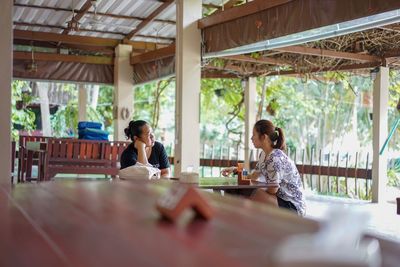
154,55
340,68
207,74
296,49
136,46
101,49
148,20
240,11
91,30
261,60
85,8
92,13
232,68
64,58
63,28
69,39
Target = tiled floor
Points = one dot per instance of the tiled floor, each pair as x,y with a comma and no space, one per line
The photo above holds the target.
383,219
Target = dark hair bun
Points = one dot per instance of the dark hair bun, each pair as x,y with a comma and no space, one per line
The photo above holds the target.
134,129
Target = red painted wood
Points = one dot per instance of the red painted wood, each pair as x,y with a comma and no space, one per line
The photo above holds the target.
69,150
63,150
76,150
95,153
117,224
82,150
21,244
89,151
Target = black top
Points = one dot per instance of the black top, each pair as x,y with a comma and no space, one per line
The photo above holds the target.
158,157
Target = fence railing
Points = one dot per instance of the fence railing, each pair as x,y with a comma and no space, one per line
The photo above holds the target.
333,173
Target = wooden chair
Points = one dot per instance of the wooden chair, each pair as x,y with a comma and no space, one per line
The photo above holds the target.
33,151
23,139
13,156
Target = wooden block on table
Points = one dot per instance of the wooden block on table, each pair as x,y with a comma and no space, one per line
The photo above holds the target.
181,197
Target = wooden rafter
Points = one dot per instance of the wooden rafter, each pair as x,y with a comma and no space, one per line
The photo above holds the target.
79,43
69,39
64,58
392,53
79,15
296,49
238,12
261,60
92,13
91,30
215,74
148,20
343,67
154,55
65,28
232,68
98,49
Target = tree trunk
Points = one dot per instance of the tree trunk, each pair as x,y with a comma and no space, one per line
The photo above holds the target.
95,96
43,89
82,103
261,105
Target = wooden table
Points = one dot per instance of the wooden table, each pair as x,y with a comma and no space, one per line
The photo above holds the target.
228,185
115,223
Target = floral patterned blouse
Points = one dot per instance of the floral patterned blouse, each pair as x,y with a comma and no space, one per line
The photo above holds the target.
278,170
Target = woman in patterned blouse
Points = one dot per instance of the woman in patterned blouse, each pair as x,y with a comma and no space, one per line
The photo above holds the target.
276,170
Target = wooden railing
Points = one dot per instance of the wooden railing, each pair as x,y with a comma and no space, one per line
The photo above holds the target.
337,173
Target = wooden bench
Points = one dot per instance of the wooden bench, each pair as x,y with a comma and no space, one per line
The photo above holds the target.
83,156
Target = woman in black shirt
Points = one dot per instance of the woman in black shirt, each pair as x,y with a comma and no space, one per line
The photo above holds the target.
144,149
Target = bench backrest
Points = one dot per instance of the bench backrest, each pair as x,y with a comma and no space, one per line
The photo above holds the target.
77,149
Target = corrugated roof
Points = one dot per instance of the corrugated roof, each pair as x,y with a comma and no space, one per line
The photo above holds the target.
40,13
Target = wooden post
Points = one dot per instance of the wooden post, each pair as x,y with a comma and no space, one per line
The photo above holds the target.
123,90
188,79
380,132
250,117
6,51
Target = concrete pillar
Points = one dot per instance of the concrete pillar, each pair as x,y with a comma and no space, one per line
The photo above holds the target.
250,94
82,102
6,51
188,82
380,133
123,90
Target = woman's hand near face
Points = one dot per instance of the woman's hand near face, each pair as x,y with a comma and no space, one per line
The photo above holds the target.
139,145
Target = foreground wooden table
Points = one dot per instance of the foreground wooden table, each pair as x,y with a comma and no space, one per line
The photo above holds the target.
114,223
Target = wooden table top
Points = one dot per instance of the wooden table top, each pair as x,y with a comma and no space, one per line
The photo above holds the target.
224,183
115,223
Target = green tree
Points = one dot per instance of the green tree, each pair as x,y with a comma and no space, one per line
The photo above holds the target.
22,118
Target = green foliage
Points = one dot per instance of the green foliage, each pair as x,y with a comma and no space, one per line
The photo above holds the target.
65,121
23,119
105,107
155,103
393,178
222,110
